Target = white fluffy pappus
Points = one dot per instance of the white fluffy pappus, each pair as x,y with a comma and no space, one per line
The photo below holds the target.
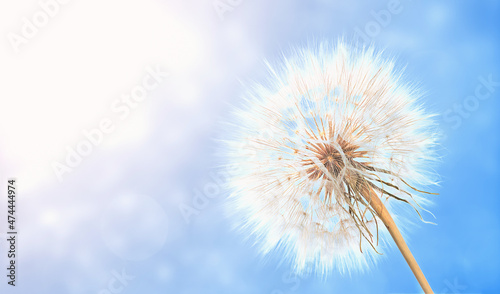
330,124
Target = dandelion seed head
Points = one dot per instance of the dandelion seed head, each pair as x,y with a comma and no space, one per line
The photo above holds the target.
330,124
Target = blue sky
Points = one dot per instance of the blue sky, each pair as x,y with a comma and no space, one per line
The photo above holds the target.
114,222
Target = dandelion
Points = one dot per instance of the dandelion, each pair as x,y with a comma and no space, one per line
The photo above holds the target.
325,151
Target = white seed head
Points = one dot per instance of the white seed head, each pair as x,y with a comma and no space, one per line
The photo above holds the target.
330,124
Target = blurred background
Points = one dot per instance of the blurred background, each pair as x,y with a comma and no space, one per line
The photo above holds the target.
109,112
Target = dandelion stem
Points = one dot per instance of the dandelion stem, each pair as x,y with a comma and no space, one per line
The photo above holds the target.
386,218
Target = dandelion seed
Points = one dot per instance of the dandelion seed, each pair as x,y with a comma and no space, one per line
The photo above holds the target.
323,151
